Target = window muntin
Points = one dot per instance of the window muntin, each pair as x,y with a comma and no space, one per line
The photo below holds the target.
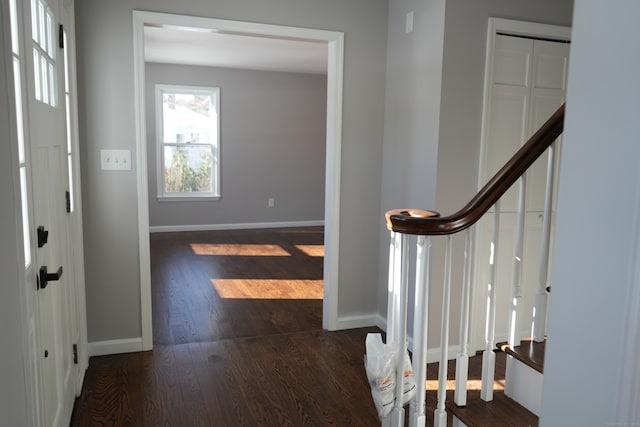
188,137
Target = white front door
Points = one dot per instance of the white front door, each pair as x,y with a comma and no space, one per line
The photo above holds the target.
527,85
47,129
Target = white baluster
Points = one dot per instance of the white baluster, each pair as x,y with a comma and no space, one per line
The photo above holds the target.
440,414
401,267
395,277
462,359
516,289
488,356
420,330
394,281
540,305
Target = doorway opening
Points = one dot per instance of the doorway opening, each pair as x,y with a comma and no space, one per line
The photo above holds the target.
335,46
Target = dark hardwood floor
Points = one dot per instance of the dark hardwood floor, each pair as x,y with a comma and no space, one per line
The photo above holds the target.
261,360
188,307
238,341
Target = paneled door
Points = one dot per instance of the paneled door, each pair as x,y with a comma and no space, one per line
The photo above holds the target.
46,128
528,84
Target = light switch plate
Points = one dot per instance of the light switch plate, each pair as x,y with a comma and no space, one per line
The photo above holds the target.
115,160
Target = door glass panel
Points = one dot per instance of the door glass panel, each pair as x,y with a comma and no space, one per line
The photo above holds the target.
22,160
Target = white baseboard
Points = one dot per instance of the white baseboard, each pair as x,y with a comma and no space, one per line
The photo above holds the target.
103,348
360,321
238,226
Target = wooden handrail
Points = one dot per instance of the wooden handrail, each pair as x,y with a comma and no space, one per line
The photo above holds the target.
415,221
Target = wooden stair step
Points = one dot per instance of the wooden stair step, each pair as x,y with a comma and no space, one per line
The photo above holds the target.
529,352
501,411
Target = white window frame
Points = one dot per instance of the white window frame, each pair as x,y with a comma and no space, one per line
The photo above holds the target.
214,92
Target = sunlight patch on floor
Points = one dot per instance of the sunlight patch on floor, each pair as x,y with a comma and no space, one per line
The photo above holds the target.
312,250
268,288
238,250
471,385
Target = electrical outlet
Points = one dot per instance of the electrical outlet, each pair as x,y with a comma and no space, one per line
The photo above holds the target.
112,160
271,202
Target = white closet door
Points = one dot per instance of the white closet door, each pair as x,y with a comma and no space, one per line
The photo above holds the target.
528,84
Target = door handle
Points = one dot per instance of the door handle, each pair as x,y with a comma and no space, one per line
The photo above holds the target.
46,277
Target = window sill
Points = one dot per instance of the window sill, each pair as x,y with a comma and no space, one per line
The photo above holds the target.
187,198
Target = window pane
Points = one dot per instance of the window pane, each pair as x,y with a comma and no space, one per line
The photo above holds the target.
42,35
19,120
187,169
14,27
44,79
53,101
50,34
36,74
188,118
34,20
25,216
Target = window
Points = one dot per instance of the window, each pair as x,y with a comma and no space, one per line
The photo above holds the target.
188,142
44,53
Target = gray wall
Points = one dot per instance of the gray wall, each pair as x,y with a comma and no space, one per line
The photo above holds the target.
436,152
273,132
106,105
412,112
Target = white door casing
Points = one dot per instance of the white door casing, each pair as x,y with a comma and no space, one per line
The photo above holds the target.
525,82
335,47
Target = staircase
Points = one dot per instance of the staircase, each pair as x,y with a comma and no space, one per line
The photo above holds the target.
501,411
490,389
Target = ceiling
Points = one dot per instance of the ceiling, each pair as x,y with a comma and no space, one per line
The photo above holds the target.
196,46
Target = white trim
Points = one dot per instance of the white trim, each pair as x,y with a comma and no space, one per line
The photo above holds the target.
521,28
142,185
104,348
331,269
335,47
232,226
360,321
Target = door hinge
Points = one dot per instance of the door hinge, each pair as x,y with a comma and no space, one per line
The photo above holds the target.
61,36
75,354
68,198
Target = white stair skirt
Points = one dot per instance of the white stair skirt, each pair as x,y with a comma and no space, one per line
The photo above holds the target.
457,422
523,384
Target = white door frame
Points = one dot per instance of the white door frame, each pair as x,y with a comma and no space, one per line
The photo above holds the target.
517,28
335,43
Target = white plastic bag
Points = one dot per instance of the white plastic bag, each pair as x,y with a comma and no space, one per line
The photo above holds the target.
380,362
409,381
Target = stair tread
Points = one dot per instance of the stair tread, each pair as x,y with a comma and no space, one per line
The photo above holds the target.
478,413
502,411
529,352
